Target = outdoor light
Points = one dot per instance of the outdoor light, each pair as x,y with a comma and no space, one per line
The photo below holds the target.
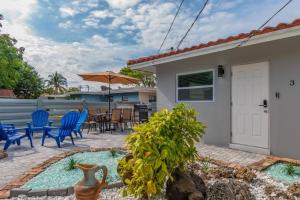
221,71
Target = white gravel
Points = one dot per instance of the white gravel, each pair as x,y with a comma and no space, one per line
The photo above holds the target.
111,194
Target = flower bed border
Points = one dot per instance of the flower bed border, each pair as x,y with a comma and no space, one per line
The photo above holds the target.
12,189
271,160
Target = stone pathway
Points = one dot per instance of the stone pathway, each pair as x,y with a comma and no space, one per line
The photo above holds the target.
22,158
229,155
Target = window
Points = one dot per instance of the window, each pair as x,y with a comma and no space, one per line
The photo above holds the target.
124,98
152,98
198,86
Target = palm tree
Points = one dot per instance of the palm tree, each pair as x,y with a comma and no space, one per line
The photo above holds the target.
57,82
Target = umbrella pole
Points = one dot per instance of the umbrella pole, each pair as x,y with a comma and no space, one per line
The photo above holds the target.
109,112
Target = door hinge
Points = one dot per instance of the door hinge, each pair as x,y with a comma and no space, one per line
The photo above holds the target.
231,73
231,104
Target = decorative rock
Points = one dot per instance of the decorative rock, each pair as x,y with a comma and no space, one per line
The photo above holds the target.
245,174
229,190
185,186
294,190
18,191
3,154
70,190
58,192
37,193
221,172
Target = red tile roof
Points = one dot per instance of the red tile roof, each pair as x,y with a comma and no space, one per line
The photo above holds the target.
280,26
4,93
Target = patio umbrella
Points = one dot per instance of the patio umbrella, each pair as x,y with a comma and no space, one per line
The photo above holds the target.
110,78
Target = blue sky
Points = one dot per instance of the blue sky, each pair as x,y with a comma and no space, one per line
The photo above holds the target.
75,36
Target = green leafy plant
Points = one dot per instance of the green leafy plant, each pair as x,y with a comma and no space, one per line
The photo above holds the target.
71,164
157,148
205,163
113,152
290,169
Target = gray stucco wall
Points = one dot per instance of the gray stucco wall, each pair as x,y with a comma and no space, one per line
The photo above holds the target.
284,58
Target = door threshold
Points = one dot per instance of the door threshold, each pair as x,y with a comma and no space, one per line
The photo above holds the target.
252,149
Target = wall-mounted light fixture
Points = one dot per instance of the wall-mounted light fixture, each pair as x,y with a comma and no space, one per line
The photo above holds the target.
221,71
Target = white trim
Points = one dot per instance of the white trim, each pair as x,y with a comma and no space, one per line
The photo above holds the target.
250,149
195,87
266,37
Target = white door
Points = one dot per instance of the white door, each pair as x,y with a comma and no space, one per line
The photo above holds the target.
250,104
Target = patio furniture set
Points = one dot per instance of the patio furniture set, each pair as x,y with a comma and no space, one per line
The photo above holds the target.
71,124
105,121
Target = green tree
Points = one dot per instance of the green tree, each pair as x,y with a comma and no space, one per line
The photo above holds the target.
16,74
147,79
58,82
73,89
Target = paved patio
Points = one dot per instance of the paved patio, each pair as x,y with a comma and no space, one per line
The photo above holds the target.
21,158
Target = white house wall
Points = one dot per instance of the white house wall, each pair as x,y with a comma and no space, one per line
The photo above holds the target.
284,58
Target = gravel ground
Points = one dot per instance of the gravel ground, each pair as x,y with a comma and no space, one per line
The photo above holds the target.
111,194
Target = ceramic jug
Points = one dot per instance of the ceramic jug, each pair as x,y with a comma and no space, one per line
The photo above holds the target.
89,187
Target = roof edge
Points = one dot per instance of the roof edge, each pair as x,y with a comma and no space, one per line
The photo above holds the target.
220,44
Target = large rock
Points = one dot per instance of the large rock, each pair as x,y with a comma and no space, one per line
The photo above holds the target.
229,190
185,186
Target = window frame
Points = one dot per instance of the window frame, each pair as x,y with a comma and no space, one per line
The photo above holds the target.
194,87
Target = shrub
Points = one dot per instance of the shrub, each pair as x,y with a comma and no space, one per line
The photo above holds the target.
158,147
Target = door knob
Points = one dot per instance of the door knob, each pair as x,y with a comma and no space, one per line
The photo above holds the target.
265,103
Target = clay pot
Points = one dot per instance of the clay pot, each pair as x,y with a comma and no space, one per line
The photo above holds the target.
89,187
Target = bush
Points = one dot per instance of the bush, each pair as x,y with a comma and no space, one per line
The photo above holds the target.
158,147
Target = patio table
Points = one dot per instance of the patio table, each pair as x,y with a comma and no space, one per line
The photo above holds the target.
101,118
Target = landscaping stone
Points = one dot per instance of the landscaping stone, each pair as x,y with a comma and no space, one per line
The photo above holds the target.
245,174
3,154
294,190
185,186
58,192
37,193
229,189
17,191
70,190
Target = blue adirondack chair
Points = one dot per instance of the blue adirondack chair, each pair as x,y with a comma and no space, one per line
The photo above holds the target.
82,118
12,135
40,118
68,123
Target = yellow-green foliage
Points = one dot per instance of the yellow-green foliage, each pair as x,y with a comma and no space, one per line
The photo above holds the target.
158,147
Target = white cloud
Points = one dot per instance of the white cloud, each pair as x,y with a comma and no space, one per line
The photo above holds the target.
65,25
146,23
69,59
66,11
122,4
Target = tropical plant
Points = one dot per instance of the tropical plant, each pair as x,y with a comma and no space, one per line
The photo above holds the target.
290,169
159,147
57,82
147,79
113,152
71,164
73,89
205,164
